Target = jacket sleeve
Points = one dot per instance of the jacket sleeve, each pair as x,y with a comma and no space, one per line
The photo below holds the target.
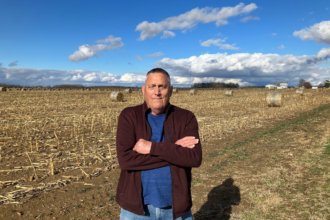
126,139
178,155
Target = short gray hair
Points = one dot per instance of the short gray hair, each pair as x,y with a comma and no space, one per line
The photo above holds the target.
162,71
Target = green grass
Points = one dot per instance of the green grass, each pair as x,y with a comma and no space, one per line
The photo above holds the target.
84,190
112,198
327,149
77,206
300,120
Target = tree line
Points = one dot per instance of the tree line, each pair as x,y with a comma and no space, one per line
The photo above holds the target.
215,85
308,85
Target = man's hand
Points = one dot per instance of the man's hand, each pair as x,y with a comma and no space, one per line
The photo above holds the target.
188,141
142,146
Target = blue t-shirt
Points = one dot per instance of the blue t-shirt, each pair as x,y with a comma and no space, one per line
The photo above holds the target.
157,183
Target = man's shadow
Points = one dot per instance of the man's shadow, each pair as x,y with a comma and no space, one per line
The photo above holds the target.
220,201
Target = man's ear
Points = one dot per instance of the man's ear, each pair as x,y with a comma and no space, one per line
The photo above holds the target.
143,89
171,91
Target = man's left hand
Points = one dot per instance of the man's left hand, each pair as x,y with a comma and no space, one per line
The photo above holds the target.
142,146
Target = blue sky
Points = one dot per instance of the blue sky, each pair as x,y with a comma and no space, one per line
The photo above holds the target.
116,43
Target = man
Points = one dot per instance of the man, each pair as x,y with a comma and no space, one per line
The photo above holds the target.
157,145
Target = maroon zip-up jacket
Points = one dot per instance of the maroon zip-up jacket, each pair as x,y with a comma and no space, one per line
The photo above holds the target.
132,126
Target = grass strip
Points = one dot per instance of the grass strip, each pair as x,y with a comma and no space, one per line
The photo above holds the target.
300,120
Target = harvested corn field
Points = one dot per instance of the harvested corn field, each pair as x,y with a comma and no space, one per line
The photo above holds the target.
65,140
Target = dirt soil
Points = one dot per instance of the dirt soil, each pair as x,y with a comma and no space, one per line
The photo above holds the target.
263,173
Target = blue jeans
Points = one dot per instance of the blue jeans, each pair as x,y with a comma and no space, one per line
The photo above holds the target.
152,213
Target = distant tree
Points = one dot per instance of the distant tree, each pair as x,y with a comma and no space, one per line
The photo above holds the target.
301,82
215,85
320,86
307,85
327,83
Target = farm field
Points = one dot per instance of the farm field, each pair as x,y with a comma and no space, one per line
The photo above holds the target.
58,157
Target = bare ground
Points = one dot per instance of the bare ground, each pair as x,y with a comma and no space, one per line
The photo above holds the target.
280,171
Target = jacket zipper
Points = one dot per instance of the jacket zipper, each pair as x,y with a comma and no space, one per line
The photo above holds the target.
170,140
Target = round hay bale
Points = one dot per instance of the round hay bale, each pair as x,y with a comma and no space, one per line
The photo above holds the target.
175,90
128,90
193,92
117,96
299,91
23,89
229,93
3,89
274,99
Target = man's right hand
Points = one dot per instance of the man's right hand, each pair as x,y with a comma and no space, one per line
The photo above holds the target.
188,141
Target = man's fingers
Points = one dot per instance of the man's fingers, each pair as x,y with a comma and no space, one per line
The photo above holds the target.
188,138
190,142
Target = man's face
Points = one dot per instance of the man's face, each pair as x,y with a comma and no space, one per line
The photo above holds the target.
157,92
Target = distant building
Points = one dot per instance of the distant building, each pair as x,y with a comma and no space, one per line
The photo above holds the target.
270,86
284,85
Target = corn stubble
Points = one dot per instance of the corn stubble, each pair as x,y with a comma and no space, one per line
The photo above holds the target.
58,137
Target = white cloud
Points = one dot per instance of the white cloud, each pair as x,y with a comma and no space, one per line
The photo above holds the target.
251,68
87,51
139,58
76,77
167,34
13,63
228,47
27,76
157,54
319,32
249,18
110,39
219,43
91,77
191,80
241,68
0,64
274,34
281,47
191,18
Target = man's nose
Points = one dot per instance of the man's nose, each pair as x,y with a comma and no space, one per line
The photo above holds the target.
157,90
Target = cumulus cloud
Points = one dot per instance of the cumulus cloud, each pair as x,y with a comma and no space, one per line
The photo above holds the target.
319,32
27,76
281,47
87,51
191,18
242,68
139,58
256,68
249,18
13,63
219,43
167,34
157,54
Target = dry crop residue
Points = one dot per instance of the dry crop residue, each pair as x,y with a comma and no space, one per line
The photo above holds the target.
71,134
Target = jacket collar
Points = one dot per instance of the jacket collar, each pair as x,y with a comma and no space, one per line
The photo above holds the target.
146,109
